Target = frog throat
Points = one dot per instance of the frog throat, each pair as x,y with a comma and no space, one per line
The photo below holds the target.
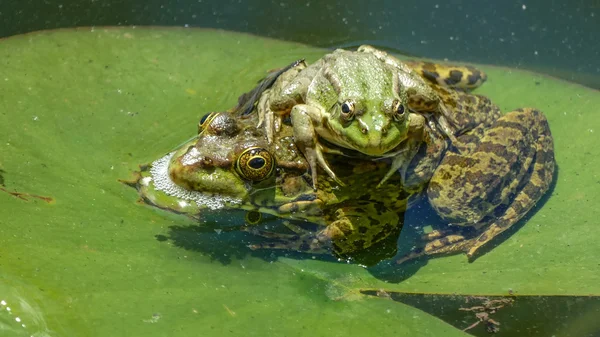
162,182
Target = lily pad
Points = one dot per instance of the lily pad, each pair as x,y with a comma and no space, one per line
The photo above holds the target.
80,109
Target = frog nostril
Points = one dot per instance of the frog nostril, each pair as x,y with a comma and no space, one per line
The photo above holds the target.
364,128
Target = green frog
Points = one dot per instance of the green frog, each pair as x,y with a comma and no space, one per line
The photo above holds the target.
482,182
232,164
481,171
357,100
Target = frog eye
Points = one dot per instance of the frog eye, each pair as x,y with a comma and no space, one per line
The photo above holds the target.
255,164
348,108
398,110
205,121
253,217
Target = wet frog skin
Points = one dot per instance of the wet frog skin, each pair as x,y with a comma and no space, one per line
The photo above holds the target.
480,170
482,180
487,179
232,164
357,100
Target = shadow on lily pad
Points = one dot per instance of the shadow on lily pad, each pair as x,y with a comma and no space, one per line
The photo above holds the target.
218,235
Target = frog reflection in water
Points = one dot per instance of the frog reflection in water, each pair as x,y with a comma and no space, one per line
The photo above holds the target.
483,181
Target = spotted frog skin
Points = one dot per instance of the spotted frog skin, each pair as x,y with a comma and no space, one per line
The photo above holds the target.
356,100
232,161
486,176
481,171
351,99
482,179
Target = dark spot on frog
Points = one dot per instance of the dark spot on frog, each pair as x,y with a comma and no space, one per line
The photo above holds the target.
433,191
306,197
431,75
304,247
446,176
161,238
460,161
380,208
365,197
2,177
474,77
362,229
537,83
455,77
382,233
360,244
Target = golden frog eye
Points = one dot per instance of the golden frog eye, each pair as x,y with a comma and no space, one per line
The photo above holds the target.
255,164
398,110
205,121
253,217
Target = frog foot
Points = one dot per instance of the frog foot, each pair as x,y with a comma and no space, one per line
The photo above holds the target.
266,116
302,240
315,158
447,244
401,160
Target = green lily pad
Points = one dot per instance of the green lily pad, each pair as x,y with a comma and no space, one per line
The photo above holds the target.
80,109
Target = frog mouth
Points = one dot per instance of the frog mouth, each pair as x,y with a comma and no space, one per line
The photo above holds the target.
160,178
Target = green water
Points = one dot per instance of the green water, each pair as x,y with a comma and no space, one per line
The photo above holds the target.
80,109
558,38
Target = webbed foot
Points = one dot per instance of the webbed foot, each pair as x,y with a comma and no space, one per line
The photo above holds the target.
315,158
452,243
304,118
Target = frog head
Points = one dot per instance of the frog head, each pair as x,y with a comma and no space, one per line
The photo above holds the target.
230,164
361,103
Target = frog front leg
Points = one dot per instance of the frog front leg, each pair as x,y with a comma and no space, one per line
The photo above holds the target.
281,90
495,184
305,119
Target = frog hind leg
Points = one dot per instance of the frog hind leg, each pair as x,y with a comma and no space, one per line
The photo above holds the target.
509,170
533,188
453,76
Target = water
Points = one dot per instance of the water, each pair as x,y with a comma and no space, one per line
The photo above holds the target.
79,256
557,38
